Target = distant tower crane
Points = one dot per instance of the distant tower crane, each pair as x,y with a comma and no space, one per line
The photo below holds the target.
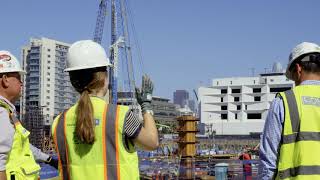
120,50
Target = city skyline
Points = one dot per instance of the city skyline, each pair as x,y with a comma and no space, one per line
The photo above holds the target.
184,44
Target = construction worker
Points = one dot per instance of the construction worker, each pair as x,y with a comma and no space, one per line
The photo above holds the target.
290,140
95,139
17,156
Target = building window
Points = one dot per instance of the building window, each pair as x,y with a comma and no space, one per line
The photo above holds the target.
236,116
48,67
49,56
221,99
238,107
246,107
48,109
217,82
49,50
49,62
48,73
224,116
271,80
48,79
48,85
48,91
254,116
224,91
224,107
236,90
256,90
254,81
279,89
230,82
48,103
257,98
48,97
236,99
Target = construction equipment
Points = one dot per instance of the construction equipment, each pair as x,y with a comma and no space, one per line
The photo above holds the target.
98,33
120,48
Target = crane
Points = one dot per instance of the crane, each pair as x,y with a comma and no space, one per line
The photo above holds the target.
120,51
98,33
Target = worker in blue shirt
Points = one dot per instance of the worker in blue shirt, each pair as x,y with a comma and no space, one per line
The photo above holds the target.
304,69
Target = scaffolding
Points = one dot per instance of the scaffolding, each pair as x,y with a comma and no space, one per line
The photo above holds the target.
187,145
33,122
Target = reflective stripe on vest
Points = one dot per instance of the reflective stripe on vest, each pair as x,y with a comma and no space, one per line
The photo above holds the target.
301,170
61,147
293,109
301,133
110,140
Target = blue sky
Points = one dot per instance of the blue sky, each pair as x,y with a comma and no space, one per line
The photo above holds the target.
184,43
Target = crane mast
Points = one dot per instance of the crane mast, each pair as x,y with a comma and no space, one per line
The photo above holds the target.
120,51
98,33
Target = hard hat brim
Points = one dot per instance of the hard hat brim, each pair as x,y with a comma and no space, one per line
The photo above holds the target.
86,67
17,71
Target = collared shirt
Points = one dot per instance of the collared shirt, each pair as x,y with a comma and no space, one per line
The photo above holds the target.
271,136
6,137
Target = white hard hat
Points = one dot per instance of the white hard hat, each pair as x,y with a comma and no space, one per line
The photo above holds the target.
298,51
86,54
9,63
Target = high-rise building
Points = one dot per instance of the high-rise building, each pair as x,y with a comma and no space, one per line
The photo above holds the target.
239,105
181,97
47,89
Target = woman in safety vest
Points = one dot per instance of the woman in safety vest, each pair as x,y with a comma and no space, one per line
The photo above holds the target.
94,139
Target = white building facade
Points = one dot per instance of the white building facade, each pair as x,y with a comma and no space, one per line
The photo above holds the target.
239,105
46,85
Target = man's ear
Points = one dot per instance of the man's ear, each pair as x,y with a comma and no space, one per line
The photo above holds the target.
4,81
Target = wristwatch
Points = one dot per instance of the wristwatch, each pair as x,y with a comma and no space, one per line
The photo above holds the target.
148,111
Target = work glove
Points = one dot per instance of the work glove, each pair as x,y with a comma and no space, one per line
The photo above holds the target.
144,95
52,161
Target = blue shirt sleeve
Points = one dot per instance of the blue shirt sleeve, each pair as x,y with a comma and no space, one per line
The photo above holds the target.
270,140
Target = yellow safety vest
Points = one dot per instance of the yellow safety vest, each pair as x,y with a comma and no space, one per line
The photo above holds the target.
20,163
300,145
107,158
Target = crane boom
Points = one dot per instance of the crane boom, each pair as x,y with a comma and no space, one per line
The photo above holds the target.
98,33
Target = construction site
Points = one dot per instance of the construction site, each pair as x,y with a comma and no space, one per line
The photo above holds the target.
182,153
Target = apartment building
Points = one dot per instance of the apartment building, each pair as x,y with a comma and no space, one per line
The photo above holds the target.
239,105
47,88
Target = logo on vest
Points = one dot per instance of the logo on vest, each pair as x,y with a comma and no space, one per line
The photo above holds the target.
97,122
307,100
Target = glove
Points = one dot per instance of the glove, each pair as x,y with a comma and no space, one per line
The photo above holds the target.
144,95
52,161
